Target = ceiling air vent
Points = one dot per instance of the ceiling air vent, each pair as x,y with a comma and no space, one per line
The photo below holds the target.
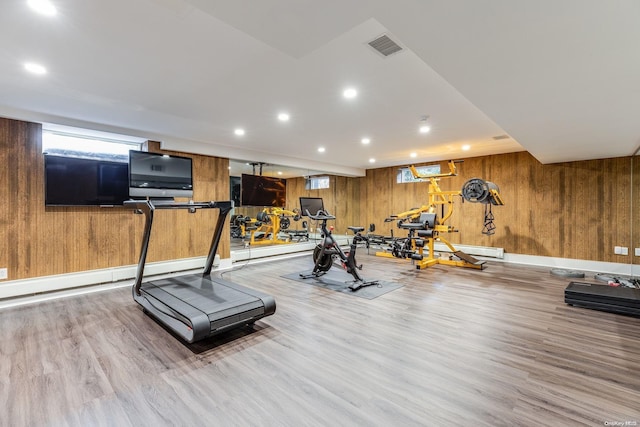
385,45
499,137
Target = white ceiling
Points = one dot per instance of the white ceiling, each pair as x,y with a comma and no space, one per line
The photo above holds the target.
560,77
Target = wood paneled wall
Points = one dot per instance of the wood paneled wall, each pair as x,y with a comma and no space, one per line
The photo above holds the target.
578,210
342,199
635,207
41,241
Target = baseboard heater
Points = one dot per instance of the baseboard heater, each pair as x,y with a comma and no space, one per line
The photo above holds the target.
614,299
486,251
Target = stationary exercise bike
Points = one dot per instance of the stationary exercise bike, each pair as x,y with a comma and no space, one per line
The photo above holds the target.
326,252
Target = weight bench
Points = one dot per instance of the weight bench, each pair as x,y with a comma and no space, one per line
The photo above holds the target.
298,235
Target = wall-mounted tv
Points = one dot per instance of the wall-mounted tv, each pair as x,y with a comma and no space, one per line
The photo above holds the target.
263,191
71,181
157,175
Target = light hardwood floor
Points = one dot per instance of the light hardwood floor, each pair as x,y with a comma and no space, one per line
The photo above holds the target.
452,347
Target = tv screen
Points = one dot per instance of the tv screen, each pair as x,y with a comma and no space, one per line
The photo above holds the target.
159,175
71,181
311,204
263,191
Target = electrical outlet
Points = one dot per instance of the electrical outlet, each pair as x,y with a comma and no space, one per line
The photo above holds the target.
637,251
3,274
624,250
617,250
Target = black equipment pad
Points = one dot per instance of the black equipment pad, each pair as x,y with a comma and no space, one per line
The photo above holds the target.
614,299
335,281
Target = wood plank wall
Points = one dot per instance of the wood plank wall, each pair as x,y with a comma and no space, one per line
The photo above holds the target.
577,210
40,241
342,199
635,212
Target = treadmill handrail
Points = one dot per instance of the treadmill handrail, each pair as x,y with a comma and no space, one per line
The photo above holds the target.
148,207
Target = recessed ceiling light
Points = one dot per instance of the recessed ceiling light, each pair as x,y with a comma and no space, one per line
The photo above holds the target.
279,172
424,127
466,147
35,68
413,155
350,93
283,117
44,7
239,132
365,140
321,150
372,160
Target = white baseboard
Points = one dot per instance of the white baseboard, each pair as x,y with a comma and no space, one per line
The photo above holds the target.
485,251
585,266
44,284
254,252
36,289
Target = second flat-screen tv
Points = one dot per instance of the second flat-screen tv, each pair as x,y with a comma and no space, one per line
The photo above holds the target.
157,175
71,181
263,191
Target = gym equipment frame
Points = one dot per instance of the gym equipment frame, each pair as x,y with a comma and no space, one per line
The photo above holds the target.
196,306
430,227
273,222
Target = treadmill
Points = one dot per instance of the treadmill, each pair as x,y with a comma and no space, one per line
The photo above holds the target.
196,306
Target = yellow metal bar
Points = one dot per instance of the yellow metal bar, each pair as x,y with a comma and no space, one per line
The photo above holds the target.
496,196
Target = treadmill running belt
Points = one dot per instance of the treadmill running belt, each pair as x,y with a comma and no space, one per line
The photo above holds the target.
205,306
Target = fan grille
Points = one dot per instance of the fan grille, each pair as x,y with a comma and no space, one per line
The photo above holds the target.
385,46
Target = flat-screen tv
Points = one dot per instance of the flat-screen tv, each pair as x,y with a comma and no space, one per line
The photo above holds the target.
157,175
263,191
311,204
71,181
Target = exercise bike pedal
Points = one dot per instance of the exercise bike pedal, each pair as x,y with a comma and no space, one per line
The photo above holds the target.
355,286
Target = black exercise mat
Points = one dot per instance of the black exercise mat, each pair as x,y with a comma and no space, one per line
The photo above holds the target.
337,280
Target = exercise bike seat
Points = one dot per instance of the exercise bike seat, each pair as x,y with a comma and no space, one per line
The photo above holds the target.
356,229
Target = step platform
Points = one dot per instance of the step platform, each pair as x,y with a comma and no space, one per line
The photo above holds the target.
613,299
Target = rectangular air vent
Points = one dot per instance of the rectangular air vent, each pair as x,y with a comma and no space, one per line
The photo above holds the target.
385,45
499,137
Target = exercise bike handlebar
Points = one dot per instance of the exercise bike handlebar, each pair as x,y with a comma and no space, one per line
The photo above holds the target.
320,215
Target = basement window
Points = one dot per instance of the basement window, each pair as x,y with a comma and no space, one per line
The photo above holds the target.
405,175
88,144
316,183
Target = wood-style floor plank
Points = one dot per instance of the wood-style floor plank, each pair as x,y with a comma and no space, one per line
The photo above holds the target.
496,347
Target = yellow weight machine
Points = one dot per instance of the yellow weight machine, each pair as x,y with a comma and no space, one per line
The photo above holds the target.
424,222
411,215
269,226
